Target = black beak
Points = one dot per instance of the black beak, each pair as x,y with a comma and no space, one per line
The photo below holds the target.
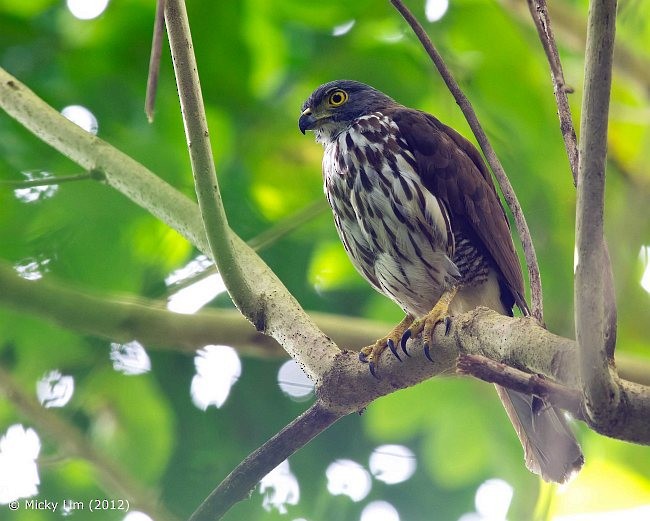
307,121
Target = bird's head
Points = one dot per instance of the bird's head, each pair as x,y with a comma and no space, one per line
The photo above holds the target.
333,106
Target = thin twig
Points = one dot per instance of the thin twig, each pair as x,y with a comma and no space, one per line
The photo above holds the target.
602,394
488,370
154,60
112,477
539,12
568,21
490,156
241,481
46,181
288,224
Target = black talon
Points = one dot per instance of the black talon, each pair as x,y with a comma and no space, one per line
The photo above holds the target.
391,346
373,370
405,337
427,351
363,357
447,325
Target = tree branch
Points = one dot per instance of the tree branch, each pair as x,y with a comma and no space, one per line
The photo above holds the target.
277,314
254,303
497,373
491,157
539,12
343,385
205,177
112,477
569,25
243,479
46,181
154,60
540,16
603,400
123,319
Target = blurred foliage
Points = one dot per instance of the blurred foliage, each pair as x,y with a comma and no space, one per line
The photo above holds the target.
258,60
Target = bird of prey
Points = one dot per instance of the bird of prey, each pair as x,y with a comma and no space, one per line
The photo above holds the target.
421,221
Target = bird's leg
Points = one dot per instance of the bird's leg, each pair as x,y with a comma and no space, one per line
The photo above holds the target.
428,322
370,354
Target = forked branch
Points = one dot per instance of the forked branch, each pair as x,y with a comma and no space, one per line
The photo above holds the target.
603,400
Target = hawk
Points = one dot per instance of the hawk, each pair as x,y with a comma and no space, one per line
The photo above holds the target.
421,221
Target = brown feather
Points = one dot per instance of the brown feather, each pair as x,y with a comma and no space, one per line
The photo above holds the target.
453,170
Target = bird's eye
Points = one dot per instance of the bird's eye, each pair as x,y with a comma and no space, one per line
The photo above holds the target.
338,98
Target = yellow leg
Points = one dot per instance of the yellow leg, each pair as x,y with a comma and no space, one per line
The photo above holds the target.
427,323
370,354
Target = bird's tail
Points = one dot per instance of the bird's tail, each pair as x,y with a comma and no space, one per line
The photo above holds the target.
550,448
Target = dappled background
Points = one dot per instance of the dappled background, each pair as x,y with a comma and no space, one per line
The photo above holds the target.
178,423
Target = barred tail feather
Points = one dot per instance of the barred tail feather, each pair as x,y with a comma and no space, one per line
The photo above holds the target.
550,448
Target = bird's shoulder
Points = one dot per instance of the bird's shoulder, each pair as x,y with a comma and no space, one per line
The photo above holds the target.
440,147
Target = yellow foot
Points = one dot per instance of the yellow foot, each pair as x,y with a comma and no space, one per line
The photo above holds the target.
426,324
370,354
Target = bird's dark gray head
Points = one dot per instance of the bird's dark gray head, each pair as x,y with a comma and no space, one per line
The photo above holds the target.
333,106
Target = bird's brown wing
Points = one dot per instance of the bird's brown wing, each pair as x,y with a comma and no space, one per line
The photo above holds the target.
453,170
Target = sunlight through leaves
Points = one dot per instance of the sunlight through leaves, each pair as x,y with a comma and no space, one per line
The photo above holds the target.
348,478
195,290
492,501
136,516
629,514
294,382
344,28
32,268
379,511
86,9
392,463
36,193
54,389
19,448
644,257
217,370
130,358
434,10
82,117
280,488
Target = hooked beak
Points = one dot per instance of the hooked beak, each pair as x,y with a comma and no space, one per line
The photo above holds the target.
307,120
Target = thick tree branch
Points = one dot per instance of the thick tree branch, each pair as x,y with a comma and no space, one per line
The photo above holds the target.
243,479
603,400
277,314
491,157
123,319
112,476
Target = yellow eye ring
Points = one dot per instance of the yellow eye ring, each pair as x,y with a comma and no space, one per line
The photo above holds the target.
338,98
